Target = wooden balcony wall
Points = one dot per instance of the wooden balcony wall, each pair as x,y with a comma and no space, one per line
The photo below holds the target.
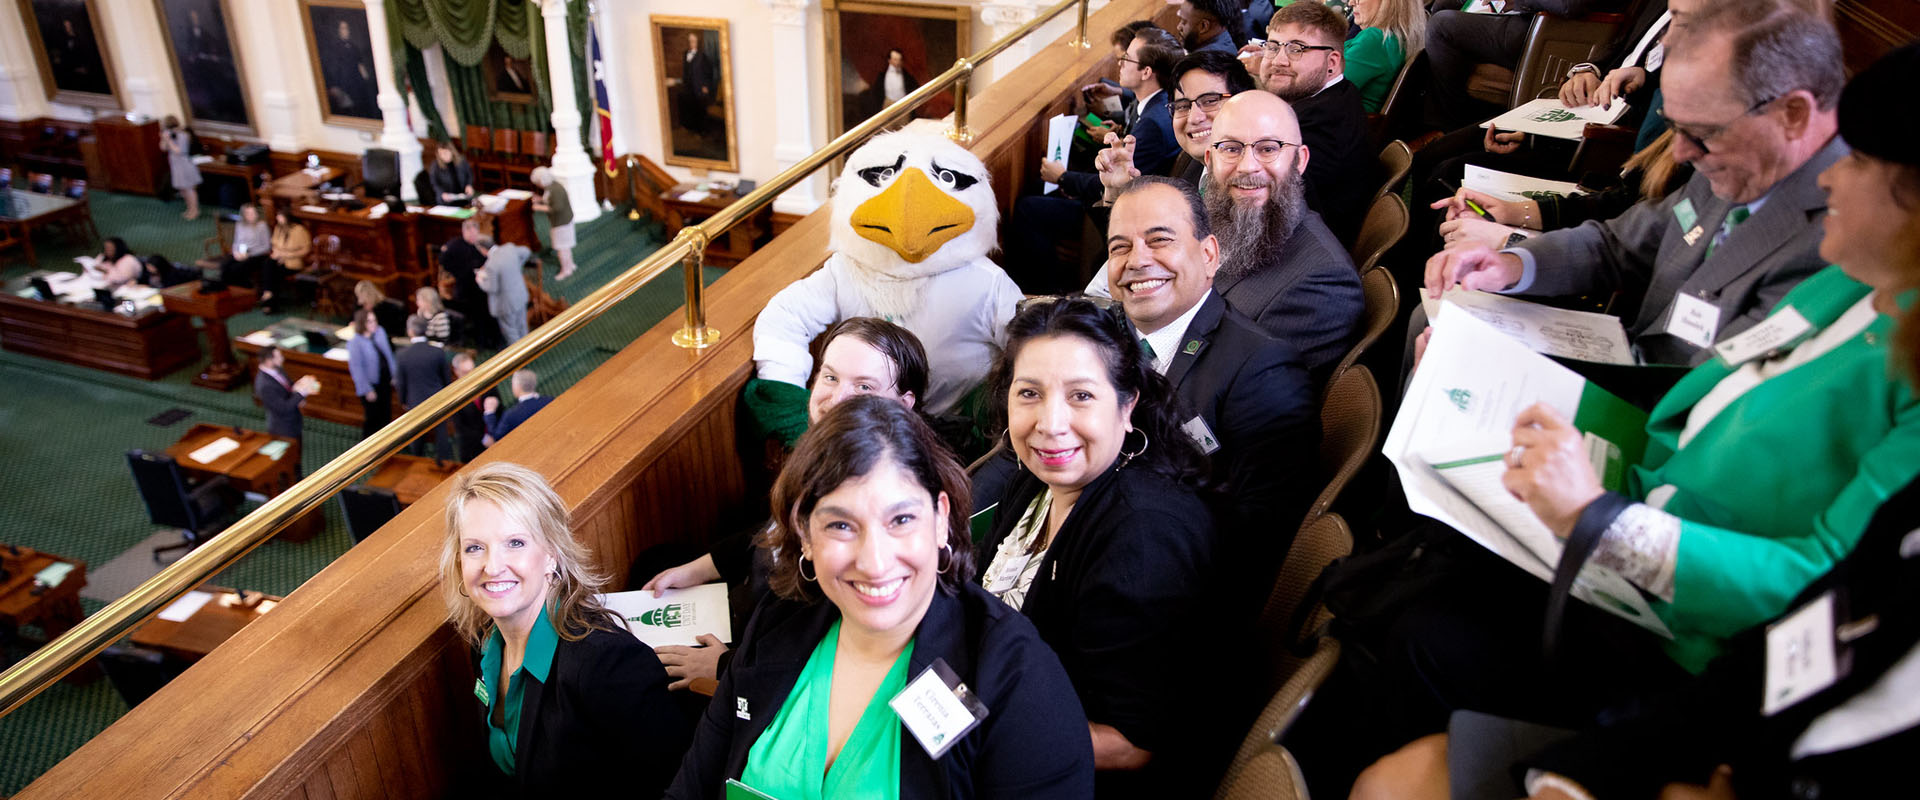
356,688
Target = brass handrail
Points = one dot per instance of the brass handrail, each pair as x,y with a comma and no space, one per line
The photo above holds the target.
46,665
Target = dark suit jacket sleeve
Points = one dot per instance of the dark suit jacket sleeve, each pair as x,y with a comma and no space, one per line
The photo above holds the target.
494,426
1270,417
1038,745
1603,255
1083,186
277,399
703,772
400,370
1322,313
624,690
1153,144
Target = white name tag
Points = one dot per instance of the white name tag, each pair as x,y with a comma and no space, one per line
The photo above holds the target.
1694,320
1800,656
1008,575
937,709
1784,327
1202,435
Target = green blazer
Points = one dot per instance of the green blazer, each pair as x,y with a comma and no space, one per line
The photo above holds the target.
1373,60
1781,484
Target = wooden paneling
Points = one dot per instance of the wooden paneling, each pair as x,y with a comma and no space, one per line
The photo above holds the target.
130,153
1869,28
147,346
643,452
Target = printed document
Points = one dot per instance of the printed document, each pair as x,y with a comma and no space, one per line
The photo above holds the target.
1514,187
1579,335
1550,117
677,616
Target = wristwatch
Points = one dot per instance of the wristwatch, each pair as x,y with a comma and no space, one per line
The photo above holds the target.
1514,239
1582,67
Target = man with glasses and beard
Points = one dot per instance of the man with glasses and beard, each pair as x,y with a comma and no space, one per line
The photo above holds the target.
1279,265
1752,106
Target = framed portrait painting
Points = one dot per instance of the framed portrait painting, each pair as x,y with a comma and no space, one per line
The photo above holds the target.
898,46
696,92
509,79
342,54
206,60
70,52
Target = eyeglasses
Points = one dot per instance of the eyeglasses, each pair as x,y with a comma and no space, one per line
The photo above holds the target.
1208,103
1699,137
1264,150
1294,48
1126,60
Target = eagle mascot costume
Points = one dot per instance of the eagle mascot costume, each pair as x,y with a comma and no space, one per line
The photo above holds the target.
913,220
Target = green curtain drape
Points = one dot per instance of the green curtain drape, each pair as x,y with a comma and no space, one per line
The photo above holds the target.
465,30
470,101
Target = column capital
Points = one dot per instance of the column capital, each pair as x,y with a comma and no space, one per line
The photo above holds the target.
549,8
789,12
1005,15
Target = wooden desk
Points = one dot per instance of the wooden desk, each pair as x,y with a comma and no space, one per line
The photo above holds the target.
147,345
295,188
131,152
55,609
22,212
213,309
336,401
412,477
736,244
210,626
400,252
249,471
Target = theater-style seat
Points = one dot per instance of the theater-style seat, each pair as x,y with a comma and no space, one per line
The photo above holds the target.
1262,769
1382,305
1386,222
1349,427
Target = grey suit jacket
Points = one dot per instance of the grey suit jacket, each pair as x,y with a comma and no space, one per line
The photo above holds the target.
1308,296
1647,256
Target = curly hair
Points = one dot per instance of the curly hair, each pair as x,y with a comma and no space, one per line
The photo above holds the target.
850,442
573,603
1170,450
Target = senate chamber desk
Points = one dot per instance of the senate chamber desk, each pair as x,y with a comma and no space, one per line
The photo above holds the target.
220,613
323,355
399,252
248,469
145,341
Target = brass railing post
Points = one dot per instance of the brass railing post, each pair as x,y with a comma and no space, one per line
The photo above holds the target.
695,335
960,132
1081,41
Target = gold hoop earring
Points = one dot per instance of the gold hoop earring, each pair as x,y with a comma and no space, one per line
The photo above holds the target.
1126,457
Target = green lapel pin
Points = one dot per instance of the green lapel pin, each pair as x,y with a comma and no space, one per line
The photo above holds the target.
1193,346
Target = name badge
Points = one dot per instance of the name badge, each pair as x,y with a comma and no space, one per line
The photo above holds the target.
1684,214
1008,575
1694,320
938,709
1202,435
1800,656
1783,328
480,691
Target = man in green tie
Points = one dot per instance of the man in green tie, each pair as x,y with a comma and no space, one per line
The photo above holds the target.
1750,94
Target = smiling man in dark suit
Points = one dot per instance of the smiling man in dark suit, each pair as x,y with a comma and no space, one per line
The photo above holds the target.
1303,62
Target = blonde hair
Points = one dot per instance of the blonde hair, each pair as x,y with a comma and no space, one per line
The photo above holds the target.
1405,21
1656,165
367,293
527,501
430,297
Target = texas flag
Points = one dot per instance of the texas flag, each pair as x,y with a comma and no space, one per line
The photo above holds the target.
600,104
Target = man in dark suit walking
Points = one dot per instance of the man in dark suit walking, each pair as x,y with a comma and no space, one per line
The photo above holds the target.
423,370
280,395
1304,63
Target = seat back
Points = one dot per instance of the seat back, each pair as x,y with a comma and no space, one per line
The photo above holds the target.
1386,222
40,182
1262,769
367,508
1382,305
1321,539
478,139
535,145
6,177
1349,426
1554,45
163,487
506,142
137,672
76,189
1396,160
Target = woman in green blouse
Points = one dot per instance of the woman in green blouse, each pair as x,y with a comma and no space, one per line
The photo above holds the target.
1391,32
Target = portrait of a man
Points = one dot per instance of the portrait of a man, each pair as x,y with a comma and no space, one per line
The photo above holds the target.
203,53
881,51
696,97
71,57
343,61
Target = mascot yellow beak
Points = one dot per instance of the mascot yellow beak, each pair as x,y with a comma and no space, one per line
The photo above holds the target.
913,217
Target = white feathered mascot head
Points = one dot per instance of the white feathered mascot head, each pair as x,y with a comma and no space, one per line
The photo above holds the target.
909,206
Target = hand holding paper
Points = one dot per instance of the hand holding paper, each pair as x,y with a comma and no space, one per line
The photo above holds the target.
1553,473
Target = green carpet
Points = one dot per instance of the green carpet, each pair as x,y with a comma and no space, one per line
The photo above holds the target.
65,430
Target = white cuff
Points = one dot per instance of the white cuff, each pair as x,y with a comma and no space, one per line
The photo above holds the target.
1528,267
1539,780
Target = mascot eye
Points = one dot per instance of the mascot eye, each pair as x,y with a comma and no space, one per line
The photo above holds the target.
956,181
875,176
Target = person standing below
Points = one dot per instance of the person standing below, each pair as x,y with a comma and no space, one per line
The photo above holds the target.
423,370
470,422
370,361
506,286
281,397
527,400
553,200
461,260
177,143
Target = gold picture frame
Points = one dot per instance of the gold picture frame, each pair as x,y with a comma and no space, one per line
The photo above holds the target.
343,81
689,86
52,17
216,88
920,31
509,79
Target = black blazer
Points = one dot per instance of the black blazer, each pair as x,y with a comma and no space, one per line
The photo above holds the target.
1033,743
601,725
1117,593
1340,171
1308,296
282,404
1716,719
420,369
1254,393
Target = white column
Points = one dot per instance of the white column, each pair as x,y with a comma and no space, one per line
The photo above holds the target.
570,163
394,134
793,102
1002,17
21,95
14,92
143,97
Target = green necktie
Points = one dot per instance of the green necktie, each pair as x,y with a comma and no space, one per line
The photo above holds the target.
1735,216
1146,348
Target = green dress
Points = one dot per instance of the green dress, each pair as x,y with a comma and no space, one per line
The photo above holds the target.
503,713
1373,61
789,761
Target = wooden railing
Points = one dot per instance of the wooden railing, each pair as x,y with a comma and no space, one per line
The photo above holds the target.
355,687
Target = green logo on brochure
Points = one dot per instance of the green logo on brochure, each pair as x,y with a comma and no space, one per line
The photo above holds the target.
671,615
1460,398
1555,115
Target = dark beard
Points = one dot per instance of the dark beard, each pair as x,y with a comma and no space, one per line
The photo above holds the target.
1250,236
